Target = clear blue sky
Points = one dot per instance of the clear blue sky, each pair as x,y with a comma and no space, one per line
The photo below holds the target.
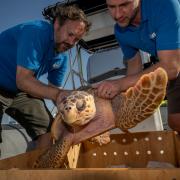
13,12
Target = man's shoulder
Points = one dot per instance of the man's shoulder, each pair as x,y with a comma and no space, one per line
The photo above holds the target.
156,10
39,27
37,24
155,6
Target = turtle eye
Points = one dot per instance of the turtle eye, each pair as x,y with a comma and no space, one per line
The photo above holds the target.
80,105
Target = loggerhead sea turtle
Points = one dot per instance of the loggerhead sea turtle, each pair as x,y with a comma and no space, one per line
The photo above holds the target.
124,111
77,109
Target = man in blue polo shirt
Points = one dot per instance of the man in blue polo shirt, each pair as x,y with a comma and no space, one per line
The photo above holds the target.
30,50
154,27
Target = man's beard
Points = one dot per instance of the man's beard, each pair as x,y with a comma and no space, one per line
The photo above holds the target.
58,47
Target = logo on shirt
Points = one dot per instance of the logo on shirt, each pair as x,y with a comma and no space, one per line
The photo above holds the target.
55,65
152,35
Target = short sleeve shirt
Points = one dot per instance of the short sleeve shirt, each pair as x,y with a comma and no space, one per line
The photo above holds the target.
159,29
30,45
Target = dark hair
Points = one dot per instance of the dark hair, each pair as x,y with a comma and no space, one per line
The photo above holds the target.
66,12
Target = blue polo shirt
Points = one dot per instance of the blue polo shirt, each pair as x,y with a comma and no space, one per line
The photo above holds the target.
159,29
30,45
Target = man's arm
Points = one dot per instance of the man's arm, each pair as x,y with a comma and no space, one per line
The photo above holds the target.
109,88
26,82
134,65
169,60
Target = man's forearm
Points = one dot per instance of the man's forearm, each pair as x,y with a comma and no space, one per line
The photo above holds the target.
129,81
38,89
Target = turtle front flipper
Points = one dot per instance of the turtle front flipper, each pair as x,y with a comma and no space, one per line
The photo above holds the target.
140,101
55,156
56,132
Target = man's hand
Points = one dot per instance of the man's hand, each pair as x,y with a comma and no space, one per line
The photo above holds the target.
107,89
61,96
